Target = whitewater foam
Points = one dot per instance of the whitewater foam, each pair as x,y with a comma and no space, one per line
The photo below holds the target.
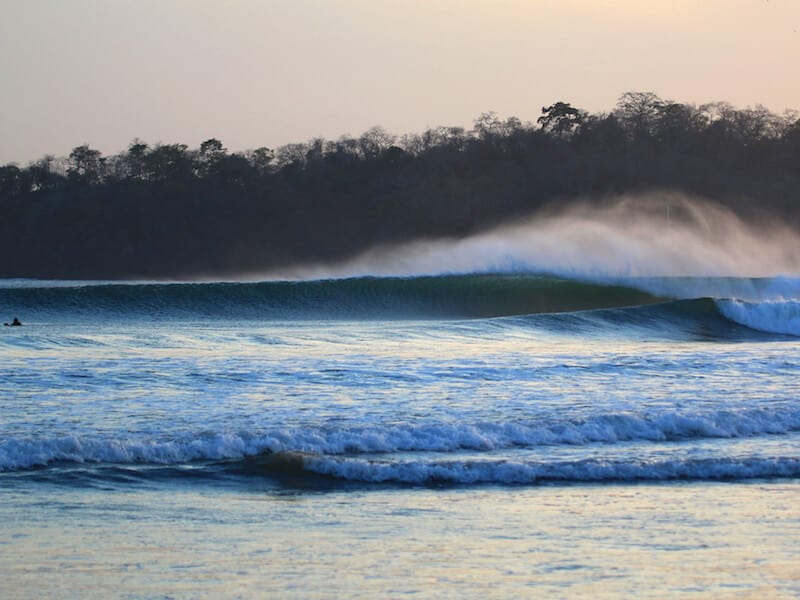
23,453
772,317
517,472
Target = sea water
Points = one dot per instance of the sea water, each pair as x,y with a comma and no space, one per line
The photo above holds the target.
463,436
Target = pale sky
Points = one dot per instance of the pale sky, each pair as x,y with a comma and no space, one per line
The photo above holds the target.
268,72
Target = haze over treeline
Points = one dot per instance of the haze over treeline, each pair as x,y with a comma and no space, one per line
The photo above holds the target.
167,211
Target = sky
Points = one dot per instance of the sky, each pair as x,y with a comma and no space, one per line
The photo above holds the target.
270,72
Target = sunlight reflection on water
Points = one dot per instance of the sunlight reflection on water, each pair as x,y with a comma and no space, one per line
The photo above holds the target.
654,541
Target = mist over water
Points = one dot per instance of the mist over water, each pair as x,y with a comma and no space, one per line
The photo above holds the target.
649,237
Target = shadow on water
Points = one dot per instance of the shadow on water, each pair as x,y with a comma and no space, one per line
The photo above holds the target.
280,473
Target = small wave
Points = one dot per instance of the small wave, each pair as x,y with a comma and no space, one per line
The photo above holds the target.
521,472
781,317
25,453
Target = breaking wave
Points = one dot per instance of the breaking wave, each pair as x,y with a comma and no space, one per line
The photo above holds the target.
711,308
387,454
520,472
772,316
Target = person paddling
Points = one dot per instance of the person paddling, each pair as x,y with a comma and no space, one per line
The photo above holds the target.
14,323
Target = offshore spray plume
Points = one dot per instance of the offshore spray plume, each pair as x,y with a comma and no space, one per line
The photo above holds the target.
654,238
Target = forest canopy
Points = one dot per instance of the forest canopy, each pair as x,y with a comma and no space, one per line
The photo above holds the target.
168,211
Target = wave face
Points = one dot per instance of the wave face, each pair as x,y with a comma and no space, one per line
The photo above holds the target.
708,307
436,297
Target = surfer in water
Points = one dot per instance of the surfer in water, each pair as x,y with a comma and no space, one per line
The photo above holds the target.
14,323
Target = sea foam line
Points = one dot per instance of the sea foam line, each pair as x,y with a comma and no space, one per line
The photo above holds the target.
519,472
27,452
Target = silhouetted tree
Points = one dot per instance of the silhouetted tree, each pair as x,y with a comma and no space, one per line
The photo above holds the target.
638,112
374,142
261,159
45,174
12,181
209,158
488,126
561,118
136,160
292,156
85,166
168,162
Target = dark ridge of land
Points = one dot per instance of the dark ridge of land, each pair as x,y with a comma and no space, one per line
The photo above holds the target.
165,211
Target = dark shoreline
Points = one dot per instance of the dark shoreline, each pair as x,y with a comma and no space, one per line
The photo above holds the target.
166,211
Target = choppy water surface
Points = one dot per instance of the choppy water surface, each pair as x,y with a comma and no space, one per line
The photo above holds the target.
474,435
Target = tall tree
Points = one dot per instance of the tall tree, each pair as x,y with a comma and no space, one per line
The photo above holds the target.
85,165
561,119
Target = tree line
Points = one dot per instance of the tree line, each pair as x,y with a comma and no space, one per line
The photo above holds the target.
166,210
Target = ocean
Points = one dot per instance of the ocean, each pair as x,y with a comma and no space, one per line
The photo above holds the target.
492,435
